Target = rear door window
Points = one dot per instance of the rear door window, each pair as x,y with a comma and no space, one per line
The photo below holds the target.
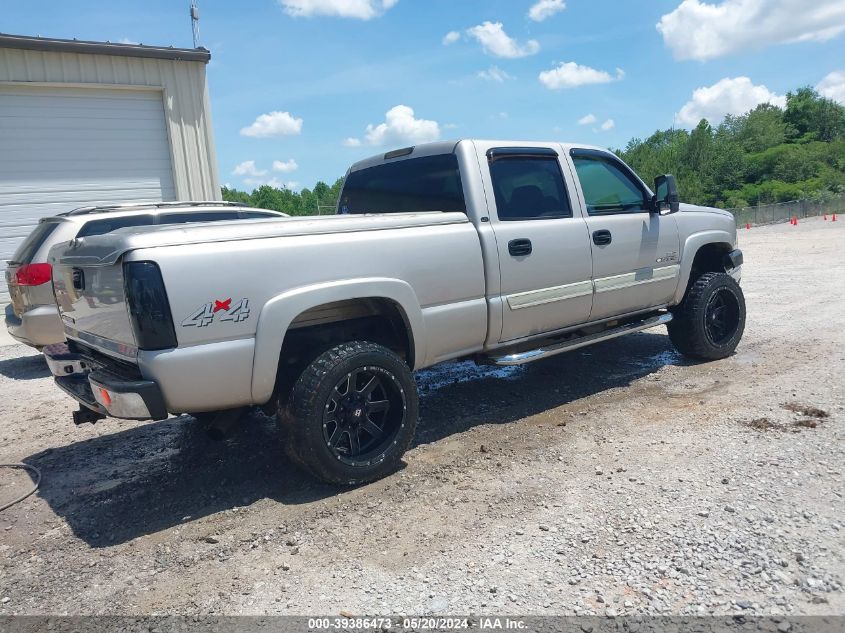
34,241
528,186
107,225
197,216
252,215
430,183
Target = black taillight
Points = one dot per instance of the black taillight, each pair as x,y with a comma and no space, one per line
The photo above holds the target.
149,308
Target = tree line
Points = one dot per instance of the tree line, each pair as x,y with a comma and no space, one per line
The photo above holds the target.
769,154
321,199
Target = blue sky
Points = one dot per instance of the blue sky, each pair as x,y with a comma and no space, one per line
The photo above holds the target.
322,71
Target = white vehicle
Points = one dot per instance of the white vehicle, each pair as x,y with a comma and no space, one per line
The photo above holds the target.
502,252
31,317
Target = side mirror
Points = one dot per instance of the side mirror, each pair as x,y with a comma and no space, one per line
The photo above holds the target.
667,194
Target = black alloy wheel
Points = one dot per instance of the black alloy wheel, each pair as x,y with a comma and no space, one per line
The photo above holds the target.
364,412
351,414
721,316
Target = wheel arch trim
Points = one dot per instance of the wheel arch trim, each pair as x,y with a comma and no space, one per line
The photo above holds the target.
690,249
279,312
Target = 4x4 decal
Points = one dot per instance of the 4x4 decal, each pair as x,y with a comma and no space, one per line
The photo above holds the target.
204,316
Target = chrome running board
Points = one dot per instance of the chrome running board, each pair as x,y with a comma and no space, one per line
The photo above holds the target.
520,358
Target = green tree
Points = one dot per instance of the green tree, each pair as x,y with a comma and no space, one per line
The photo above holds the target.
814,117
762,128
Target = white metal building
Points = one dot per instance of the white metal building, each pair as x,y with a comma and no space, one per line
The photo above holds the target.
86,123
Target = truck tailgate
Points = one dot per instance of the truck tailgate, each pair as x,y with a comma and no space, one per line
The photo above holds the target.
92,305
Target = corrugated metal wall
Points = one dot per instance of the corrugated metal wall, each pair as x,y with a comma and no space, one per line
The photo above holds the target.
186,104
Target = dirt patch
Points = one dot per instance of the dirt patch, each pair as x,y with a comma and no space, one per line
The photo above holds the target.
809,411
807,424
763,424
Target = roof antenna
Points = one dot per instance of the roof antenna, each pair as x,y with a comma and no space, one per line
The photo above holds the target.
195,22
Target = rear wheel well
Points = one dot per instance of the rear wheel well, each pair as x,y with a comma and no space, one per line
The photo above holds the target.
320,328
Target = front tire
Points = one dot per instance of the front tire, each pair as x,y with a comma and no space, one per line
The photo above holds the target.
708,324
352,414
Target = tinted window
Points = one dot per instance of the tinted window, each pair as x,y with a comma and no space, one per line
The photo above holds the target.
528,188
251,215
432,183
107,225
35,240
198,216
608,187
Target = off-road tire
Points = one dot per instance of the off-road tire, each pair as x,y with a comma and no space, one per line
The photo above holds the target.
691,329
303,418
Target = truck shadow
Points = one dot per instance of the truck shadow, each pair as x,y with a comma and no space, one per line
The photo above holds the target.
151,477
25,367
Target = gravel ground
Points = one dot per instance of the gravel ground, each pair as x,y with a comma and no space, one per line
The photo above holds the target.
620,479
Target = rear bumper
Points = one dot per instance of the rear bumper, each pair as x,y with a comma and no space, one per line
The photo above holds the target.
36,327
103,392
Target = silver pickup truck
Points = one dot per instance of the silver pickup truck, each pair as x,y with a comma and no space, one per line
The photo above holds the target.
501,252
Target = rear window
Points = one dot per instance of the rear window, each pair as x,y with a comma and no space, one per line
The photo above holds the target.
34,241
431,183
107,225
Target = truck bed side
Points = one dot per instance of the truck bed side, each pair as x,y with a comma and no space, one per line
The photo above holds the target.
233,300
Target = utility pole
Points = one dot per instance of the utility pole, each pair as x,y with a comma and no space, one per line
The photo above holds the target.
195,22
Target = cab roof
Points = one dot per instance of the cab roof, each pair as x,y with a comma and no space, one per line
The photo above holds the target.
449,146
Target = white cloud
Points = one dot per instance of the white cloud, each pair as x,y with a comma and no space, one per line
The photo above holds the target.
543,9
608,125
729,96
572,75
494,73
833,86
358,9
271,182
401,127
699,30
126,40
273,124
260,182
352,142
285,166
497,43
451,37
587,120
254,177
248,168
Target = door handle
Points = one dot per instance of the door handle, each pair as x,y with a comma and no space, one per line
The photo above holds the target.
520,247
602,238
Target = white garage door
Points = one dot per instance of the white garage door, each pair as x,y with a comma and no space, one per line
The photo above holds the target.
62,148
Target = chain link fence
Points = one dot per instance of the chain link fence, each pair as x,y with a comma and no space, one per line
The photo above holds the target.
784,211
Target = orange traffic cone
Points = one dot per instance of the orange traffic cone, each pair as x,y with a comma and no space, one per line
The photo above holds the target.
792,221
833,219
